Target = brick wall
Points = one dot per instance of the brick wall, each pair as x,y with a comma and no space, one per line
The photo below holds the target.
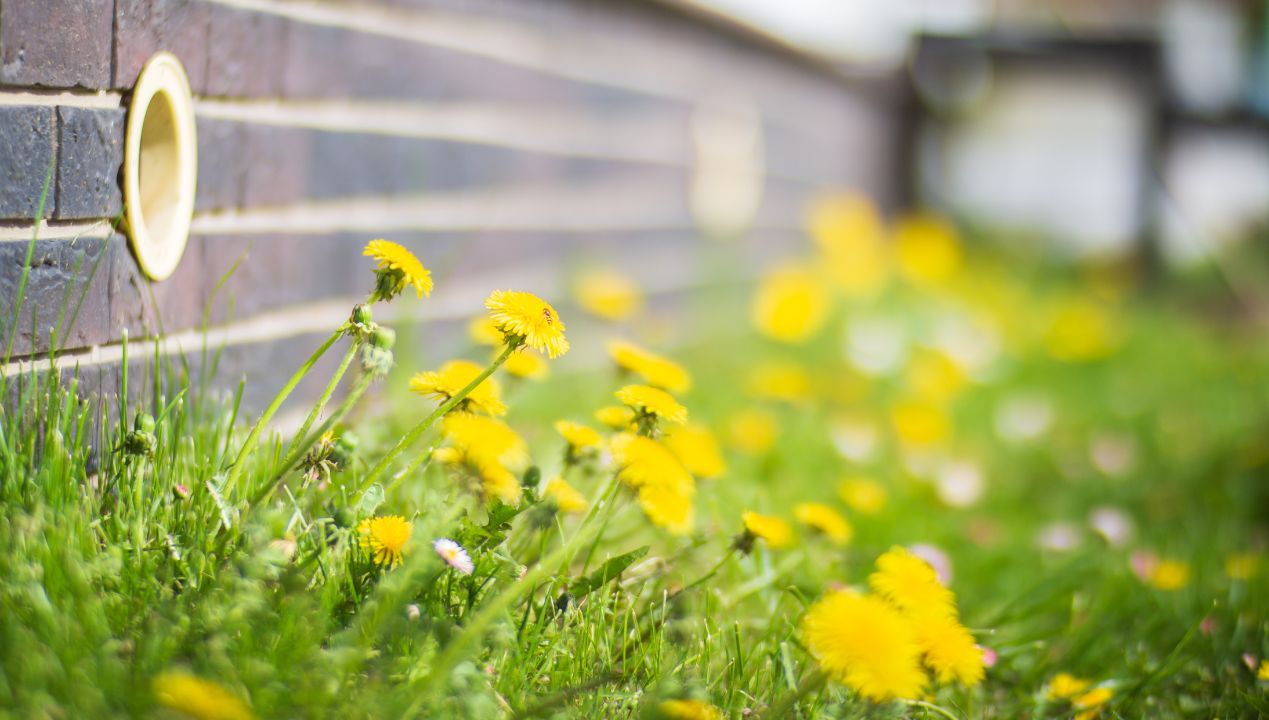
491,136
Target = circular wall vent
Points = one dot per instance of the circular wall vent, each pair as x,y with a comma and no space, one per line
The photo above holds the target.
160,166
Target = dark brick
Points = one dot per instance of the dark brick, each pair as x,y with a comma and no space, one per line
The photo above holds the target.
244,53
26,157
144,27
55,43
145,308
222,164
67,290
89,156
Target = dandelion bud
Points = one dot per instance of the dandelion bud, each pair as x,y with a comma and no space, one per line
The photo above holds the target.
362,316
144,422
383,337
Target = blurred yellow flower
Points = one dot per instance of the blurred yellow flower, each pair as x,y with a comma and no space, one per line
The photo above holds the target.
852,240
774,531
198,698
1262,673
649,401
791,305
496,481
565,496
616,417
529,366
643,461
911,584
528,317
752,431
927,249
1065,686
1081,330
447,455
688,710
1242,566
949,649
668,507
608,294
385,537
863,495
919,423
453,376
864,643
484,440
484,331
655,370
578,436
1169,575
826,520
396,268
1089,704
935,377
695,447
779,381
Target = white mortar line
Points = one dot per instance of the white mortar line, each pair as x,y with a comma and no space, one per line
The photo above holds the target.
62,98
648,138
70,231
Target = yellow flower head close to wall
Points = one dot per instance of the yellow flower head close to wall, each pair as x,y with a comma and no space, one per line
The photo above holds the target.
688,710
772,530
396,269
851,237
911,584
197,698
527,318
385,537
655,370
695,447
928,249
565,496
455,375
864,643
824,519
650,402
791,305
608,294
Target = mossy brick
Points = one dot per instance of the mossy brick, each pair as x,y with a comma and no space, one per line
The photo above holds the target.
145,27
26,157
55,43
67,290
89,155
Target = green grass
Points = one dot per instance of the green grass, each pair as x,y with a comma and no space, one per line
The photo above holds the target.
116,566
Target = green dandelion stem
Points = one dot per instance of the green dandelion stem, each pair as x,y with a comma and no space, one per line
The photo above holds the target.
931,707
248,445
299,443
731,551
417,431
811,683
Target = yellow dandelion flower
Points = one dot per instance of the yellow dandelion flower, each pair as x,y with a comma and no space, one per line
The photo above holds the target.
774,531
385,537
1081,330
668,506
530,318
447,455
496,481
453,376
791,305
486,444
643,461
863,495
752,431
1241,566
695,447
935,377
655,370
397,268
911,584
1262,673
852,240
688,710
608,294
949,649
616,417
919,423
825,519
578,436
198,698
565,496
927,249
865,644
1169,575
1065,686
484,331
779,381
529,366
647,400
1089,704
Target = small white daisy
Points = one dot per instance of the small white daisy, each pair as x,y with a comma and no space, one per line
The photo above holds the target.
454,555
